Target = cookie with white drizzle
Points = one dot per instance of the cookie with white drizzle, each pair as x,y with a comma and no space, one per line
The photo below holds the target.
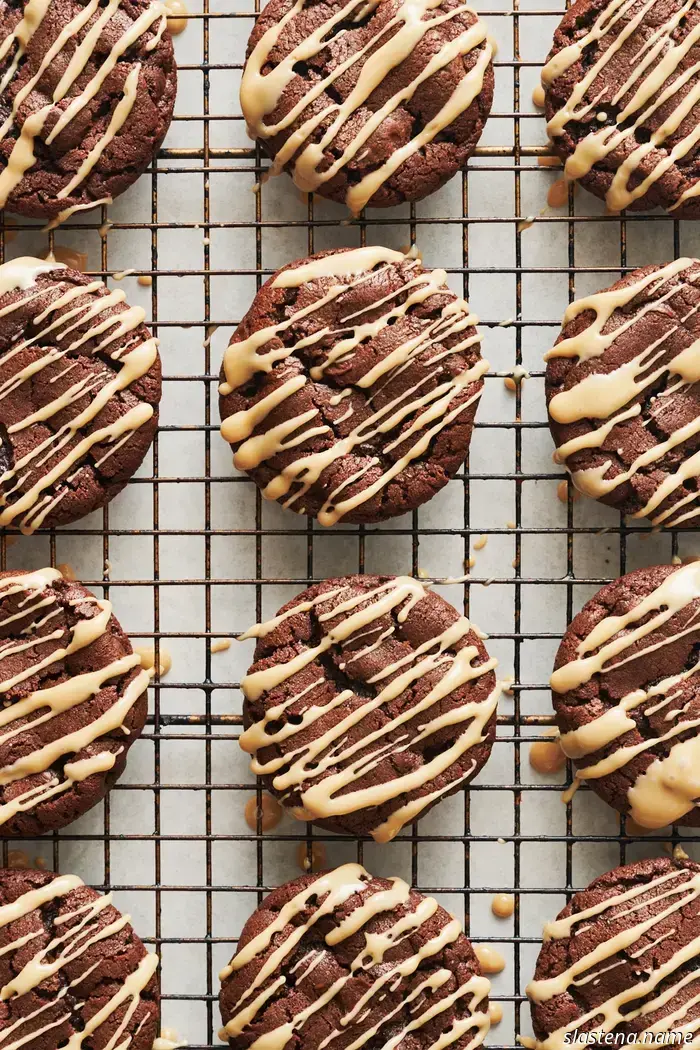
369,700
622,100
72,971
80,384
88,90
622,958
350,387
366,102
344,959
623,395
73,701
626,690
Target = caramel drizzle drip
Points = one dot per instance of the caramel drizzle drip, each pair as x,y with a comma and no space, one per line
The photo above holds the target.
53,701
136,359
66,946
606,396
261,92
332,890
431,411
22,157
658,74
680,889
670,785
303,768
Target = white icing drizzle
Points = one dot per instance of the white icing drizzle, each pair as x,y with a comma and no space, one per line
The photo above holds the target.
676,890
428,413
30,490
53,701
303,769
613,397
669,787
74,932
658,55
262,90
324,897
79,39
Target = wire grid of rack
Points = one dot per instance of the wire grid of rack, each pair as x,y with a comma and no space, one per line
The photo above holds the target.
190,553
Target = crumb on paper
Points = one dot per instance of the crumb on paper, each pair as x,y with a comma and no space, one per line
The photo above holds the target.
220,645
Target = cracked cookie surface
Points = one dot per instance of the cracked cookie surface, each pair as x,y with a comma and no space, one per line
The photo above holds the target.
370,699
74,700
368,103
623,395
72,970
80,383
622,100
344,958
350,387
87,91
622,957
626,691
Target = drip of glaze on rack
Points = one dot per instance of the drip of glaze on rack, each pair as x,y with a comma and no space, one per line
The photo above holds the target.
432,411
305,769
32,504
51,702
606,395
323,897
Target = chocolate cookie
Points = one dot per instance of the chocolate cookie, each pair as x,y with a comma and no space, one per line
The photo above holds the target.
368,103
79,390
623,395
73,972
347,957
627,694
621,85
87,90
622,958
369,700
350,387
73,701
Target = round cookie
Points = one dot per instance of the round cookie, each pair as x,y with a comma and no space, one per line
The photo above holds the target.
370,698
626,690
621,958
368,103
363,960
623,396
621,89
80,383
71,966
350,387
88,91
73,701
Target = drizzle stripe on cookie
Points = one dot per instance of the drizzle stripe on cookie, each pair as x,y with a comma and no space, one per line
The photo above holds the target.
659,72
50,702
325,896
67,945
263,89
611,396
29,492
22,156
677,890
429,412
669,787
303,769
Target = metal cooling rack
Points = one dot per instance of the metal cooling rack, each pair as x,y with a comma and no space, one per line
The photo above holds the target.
189,552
